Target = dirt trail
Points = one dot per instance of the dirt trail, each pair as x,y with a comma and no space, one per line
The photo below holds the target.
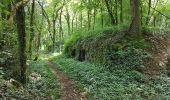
68,91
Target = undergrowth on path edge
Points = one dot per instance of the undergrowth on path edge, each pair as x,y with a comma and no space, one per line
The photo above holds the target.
42,84
47,87
99,83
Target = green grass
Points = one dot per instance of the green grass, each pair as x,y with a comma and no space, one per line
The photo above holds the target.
101,84
47,86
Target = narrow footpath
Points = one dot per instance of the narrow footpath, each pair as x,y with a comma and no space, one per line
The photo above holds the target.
68,91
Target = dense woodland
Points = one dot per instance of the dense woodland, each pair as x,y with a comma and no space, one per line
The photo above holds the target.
84,49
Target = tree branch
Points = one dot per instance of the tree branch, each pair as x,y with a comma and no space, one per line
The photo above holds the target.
168,17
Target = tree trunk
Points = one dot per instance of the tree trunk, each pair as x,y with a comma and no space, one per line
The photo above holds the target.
149,10
39,39
154,21
31,28
46,17
76,22
60,28
54,34
81,21
109,8
121,11
68,20
94,14
89,19
141,16
20,22
135,26
102,18
116,15
94,18
72,23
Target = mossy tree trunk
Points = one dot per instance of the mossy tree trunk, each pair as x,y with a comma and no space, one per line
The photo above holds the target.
20,22
135,26
31,28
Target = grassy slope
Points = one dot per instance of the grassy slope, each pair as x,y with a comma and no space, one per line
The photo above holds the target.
101,84
108,46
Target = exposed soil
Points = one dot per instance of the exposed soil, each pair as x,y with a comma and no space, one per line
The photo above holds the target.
68,90
160,50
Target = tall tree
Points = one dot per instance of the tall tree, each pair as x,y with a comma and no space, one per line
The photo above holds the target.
20,22
31,28
55,16
149,10
121,11
116,12
61,33
67,17
109,9
135,26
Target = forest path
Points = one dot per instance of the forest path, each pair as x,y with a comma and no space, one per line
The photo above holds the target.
68,91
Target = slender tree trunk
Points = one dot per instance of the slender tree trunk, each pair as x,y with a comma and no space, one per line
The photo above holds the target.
20,21
46,17
102,18
154,21
109,8
3,18
121,11
60,28
149,10
76,22
72,23
39,39
81,21
54,29
89,19
141,12
94,14
54,33
116,14
94,18
135,26
68,20
152,14
31,28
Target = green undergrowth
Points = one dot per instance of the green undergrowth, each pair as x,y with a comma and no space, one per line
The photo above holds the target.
42,84
110,47
42,81
78,35
12,90
156,30
98,83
